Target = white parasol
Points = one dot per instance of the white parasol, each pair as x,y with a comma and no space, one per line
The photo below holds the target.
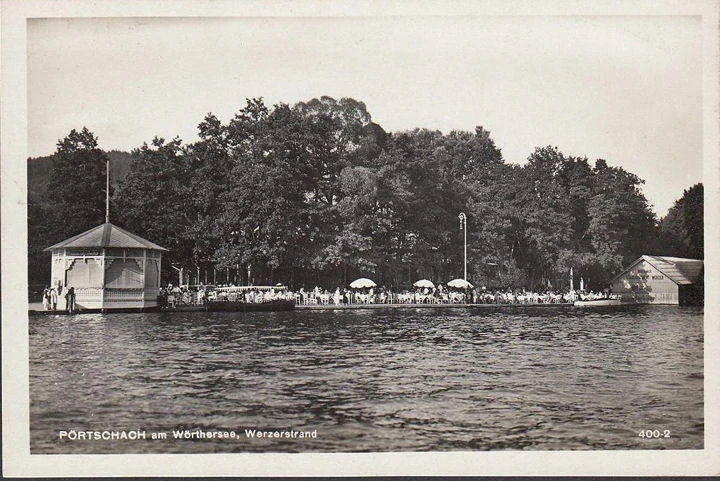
459,284
362,283
422,283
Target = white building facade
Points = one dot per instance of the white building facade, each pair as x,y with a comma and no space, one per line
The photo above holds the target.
661,280
109,269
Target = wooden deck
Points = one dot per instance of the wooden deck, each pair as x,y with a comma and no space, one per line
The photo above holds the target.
330,307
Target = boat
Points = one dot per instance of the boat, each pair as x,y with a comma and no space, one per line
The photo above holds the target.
598,302
250,298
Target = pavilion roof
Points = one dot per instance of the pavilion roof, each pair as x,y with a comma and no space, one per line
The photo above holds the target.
107,235
680,270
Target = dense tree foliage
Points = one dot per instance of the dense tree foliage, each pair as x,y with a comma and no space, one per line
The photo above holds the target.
77,187
156,199
72,200
318,194
683,227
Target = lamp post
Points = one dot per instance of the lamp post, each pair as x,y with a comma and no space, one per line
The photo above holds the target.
180,274
463,226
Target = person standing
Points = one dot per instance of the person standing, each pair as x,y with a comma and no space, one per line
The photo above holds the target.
46,298
202,296
70,300
53,298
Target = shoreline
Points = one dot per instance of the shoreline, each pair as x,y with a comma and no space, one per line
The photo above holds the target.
330,307
35,309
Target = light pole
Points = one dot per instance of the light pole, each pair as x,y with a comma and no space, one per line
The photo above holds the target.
463,226
180,274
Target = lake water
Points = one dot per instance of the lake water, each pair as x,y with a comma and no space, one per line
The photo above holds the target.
526,378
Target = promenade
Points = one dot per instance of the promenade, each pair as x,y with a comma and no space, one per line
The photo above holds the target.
330,307
36,308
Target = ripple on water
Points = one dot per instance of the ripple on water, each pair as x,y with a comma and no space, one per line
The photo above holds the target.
373,380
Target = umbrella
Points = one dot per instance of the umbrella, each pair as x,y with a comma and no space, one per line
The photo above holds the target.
362,283
459,284
424,283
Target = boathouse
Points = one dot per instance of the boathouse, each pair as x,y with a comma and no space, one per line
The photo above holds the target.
109,268
661,280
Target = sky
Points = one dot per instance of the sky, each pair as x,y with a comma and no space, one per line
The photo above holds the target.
627,89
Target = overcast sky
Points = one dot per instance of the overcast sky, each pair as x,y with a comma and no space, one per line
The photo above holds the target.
626,89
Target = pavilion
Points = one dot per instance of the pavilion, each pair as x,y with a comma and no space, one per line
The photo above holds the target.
110,269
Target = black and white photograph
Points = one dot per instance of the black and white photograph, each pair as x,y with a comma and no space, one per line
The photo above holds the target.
323,238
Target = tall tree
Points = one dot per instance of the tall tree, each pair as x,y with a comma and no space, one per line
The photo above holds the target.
72,201
208,164
546,215
155,199
267,218
77,188
622,226
682,228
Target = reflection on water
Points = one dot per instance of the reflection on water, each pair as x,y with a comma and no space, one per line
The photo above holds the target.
369,380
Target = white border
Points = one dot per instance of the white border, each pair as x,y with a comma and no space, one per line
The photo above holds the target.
15,413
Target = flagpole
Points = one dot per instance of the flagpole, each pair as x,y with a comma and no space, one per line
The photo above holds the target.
463,226
107,191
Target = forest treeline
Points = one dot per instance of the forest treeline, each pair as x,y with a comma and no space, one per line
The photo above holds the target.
318,194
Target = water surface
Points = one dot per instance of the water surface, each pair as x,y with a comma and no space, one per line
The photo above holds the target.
534,378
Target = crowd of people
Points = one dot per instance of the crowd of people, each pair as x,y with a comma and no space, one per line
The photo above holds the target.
252,296
177,296
440,295
58,298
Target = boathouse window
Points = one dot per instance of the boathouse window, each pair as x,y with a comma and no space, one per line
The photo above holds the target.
151,273
124,273
84,273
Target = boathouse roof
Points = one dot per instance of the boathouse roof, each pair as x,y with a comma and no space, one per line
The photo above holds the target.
678,269
106,235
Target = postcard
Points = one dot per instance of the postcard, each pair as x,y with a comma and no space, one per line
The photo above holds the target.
359,238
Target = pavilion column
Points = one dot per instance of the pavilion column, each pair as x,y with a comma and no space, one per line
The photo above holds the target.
103,264
144,273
